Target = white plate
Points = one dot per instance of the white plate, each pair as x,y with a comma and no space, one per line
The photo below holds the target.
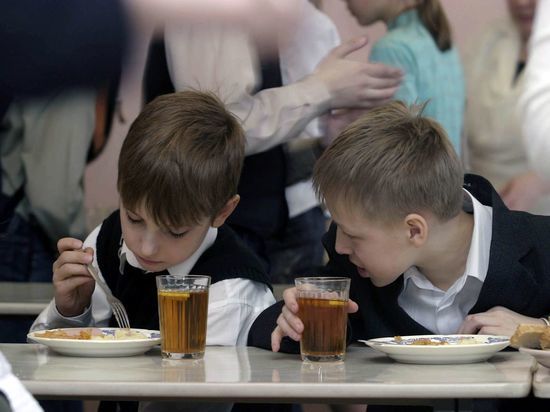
542,356
457,348
98,348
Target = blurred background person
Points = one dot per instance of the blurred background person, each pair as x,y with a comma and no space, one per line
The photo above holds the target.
45,145
419,42
495,80
276,97
535,101
297,249
48,44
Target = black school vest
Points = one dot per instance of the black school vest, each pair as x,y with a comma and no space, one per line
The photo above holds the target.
227,258
263,208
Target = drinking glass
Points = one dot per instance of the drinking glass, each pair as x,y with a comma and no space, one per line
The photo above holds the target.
322,309
183,309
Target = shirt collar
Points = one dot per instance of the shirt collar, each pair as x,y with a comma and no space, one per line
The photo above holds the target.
477,263
126,255
480,247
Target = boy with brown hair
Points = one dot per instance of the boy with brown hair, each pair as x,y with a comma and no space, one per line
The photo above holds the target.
425,254
179,168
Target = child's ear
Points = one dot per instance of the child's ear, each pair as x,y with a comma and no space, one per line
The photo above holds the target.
417,229
226,211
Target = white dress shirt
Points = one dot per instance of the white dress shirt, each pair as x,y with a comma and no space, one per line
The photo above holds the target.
233,304
315,36
535,102
444,311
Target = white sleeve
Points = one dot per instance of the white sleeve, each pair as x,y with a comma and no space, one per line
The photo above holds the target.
233,305
97,314
19,398
315,36
224,61
535,102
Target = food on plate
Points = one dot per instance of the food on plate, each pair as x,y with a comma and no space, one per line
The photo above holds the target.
82,334
529,336
438,340
420,341
92,334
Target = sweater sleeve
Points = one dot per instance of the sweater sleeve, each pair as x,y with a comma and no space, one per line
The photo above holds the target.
260,331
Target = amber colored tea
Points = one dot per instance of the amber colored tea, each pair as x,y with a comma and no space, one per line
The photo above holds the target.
325,323
183,317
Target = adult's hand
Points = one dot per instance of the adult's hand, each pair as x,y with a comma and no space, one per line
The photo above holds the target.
333,123
523,191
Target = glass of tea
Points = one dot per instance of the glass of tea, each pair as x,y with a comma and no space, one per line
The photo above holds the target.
322,309
183,309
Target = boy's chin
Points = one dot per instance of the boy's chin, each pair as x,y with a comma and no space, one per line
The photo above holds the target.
375,280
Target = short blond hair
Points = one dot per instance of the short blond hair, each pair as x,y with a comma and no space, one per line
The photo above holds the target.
392,162
182,158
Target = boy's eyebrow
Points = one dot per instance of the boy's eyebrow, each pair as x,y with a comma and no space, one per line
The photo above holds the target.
342,227
346,230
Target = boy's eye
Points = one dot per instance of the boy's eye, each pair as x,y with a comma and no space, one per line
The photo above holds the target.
133,219
177,235
352,237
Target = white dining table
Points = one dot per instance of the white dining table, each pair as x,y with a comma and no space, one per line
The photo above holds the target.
24,298
230,374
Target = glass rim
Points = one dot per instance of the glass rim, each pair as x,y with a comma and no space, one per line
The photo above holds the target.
322,278
170,276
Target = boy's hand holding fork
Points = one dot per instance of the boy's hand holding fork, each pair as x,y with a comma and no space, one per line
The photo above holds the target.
72,283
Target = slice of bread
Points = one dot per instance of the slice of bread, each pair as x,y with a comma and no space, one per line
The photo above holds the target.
545,339
528,336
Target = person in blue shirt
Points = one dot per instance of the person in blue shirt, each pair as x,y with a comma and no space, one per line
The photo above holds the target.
419,42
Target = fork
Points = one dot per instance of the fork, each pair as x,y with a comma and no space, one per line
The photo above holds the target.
118,308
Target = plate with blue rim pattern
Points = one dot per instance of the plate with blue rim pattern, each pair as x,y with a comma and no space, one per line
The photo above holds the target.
439,349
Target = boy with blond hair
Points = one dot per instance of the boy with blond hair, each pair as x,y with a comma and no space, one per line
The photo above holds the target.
428,250
179,168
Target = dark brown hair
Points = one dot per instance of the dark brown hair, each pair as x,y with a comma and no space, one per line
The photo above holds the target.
389,163
435,20
182,158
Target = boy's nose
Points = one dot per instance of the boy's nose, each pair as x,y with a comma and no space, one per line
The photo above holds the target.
148,245
341,246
